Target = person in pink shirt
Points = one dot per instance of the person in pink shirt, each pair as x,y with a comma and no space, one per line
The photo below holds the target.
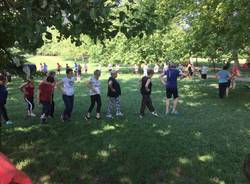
235,72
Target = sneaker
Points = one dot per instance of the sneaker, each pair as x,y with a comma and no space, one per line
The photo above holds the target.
86,118
62,118
9,122
119,114
32,114
140,116
166,113
155,114
109,116
28,114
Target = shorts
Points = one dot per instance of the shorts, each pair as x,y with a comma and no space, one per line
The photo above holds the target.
172,92
204,76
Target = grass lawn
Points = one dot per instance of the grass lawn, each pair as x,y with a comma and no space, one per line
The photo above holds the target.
205,144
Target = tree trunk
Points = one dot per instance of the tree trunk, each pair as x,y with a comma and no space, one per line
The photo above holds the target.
235,56
213,63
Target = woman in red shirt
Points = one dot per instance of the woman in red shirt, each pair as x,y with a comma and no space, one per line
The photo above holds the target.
45,97
28,91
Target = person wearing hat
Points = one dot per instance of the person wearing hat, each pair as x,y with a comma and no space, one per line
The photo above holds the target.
114,91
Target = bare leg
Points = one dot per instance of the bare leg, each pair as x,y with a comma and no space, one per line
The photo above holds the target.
175,104
167,105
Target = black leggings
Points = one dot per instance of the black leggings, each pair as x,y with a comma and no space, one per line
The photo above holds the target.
3,113
95,99
30,103
222,89
146,102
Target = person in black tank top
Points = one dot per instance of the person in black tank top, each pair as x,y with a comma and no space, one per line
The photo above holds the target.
146,88
114,91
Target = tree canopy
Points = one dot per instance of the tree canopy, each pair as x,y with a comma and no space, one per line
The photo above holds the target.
130,30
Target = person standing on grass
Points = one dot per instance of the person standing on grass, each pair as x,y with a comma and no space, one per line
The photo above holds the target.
45,97
114,91
85,68
79,72
94,86
67,67
45,68
27,89
117,67
145,70
67,84
224,81
75,68
136,69
156,68
146,88
172,75
204,70
41,67
58,68
235,73
52,110
190,69
3,100
110,67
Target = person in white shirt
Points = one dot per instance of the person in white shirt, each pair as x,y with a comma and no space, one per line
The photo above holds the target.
145,70
204,70
156,68
67,84
136,69
117,67
110,67
94,86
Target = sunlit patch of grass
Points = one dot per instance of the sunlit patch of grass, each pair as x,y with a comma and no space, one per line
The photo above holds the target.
184,161
206,158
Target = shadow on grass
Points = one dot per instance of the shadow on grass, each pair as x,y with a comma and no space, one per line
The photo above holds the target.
205,144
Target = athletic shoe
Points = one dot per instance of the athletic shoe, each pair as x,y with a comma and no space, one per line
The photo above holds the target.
32,114
86,118
119,114
109,116
166,113
155,114
140,116
9,122
28,113
62,118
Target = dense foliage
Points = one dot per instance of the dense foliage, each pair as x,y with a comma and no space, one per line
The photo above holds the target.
127,31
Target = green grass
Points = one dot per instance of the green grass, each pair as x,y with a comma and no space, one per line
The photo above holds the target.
205,144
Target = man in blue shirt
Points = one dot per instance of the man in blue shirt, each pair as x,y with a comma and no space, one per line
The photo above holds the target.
172,75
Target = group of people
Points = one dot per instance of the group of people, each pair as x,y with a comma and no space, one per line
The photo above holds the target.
43,67
66,85
47,86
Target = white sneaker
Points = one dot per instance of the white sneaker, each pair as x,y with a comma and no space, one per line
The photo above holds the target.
9,122
28,113
109,116
155,114
32,114
119,114
42,116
